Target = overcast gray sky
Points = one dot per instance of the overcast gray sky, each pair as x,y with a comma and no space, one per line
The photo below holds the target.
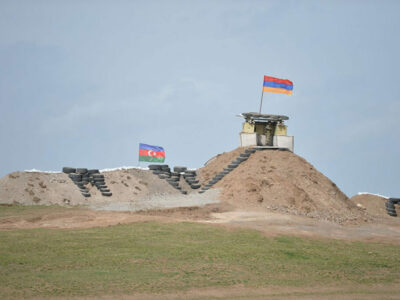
83,82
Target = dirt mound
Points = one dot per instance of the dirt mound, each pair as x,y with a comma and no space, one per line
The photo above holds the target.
281,181
56,188
373,204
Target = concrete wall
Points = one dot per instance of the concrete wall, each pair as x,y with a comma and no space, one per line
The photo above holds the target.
253,139
247,139
284,141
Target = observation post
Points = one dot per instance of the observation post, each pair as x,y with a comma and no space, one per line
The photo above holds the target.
265,131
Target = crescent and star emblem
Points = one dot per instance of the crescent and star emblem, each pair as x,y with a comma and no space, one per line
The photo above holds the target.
149,153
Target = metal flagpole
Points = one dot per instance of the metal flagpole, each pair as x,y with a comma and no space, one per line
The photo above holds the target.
262,94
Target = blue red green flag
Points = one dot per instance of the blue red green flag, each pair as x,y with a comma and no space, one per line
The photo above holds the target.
151,153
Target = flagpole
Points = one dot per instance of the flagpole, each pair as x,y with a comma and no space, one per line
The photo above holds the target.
262,94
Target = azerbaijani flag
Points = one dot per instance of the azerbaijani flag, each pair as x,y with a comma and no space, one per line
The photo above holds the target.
276,85
151,153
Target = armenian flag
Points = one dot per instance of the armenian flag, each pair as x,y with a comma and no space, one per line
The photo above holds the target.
151,153
276,85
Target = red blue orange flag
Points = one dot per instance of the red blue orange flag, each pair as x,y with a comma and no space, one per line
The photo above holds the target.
276,85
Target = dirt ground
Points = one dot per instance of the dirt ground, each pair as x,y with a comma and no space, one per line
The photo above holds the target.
221,214
370,292
281,181
269,181
31,188
276,192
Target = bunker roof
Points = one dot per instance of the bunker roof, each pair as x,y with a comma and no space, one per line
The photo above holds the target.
262,118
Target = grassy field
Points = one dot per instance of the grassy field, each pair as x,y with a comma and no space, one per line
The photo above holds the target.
156,257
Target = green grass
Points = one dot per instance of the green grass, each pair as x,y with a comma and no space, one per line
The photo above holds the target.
156,257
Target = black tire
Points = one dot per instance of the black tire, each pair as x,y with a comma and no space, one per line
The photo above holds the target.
245,155
193,172
104,190
75,176
195,186
68,170
175,174
205,188
101,186
85,195
107,194
389,205
98,179
172,179
184,192
392,214
179,169
232,166
156,172
173,183
394,200
201,191
165,168
81,170
162,176
93,171
154,167
192,181
98,175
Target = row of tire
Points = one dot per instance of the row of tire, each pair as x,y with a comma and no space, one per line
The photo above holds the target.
81,177
233,165
174,177
390,209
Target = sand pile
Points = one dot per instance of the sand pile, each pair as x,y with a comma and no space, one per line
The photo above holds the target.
281,181
372,204
57,188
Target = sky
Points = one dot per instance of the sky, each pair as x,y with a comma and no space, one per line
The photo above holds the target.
82,83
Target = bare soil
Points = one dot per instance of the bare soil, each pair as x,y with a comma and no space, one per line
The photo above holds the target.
221,214
273,180
276,192
372,204
352,292
38,188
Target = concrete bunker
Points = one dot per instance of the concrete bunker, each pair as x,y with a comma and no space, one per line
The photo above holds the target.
265,130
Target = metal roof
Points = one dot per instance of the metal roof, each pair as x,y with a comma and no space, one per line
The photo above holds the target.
262,118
